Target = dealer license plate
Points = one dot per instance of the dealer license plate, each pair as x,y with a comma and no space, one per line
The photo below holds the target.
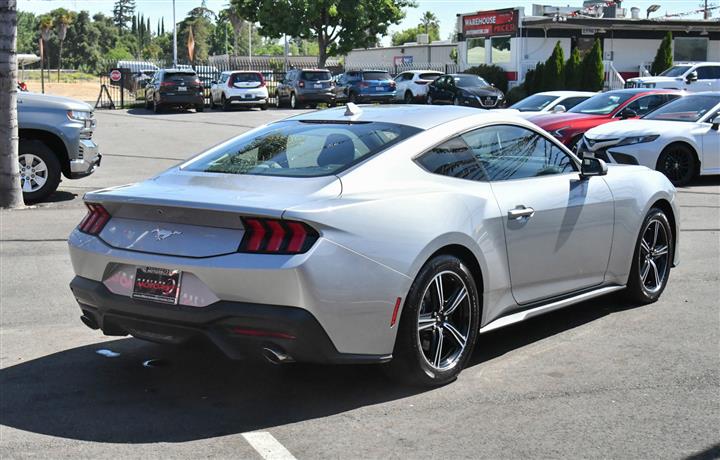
317,85
379,88
157,284
182,88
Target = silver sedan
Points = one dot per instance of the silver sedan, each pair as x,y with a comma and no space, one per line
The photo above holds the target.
389,235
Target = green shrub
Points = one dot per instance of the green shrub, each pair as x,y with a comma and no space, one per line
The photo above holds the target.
516,94
554,73
663,58
573,71
493,74
593,70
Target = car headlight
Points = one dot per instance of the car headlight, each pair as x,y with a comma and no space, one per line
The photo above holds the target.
637,140
559,133
77,115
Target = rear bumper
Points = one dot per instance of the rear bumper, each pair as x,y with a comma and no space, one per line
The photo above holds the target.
384,97
182,99
240,100
241,330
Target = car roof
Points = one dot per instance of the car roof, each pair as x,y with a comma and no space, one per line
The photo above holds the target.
187,71
566,93
642,91
418,116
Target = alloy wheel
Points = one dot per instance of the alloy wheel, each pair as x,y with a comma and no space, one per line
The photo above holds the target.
444,320
676,165
408,97
654,256
33,172
293,101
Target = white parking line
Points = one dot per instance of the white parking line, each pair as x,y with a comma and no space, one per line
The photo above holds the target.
267,446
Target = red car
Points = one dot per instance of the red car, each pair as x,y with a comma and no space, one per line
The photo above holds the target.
603,108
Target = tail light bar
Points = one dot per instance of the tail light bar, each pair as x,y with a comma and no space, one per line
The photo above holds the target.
276,236
95,220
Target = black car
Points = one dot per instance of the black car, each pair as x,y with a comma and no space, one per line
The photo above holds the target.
174,88
464,89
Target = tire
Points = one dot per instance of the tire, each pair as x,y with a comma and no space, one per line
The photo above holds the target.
652,259
678,163
157,108
264,106
200,108
429,100
408,97
278,102
294,103
224,103
456,101
414,349
39,170
352,97
147,104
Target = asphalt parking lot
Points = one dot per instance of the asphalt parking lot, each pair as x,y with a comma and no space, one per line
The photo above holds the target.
602,379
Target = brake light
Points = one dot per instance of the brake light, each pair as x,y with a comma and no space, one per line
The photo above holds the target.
276,236
95,220
165,84
230,82
262,80
364,84
301,84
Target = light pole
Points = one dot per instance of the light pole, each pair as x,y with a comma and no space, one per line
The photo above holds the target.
174,38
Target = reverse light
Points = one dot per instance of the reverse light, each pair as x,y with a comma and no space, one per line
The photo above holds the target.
637,140
95,220
276,236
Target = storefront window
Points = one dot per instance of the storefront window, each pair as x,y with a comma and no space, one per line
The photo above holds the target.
476,51
500,49
690,49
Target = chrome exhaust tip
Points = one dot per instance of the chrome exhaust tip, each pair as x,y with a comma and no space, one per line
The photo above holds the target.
276,356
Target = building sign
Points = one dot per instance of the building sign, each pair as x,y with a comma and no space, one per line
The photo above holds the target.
402,60
489,23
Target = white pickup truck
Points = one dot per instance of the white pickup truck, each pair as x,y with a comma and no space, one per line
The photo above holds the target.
690,76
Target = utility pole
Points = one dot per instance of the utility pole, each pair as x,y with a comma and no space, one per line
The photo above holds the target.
174,38
706,16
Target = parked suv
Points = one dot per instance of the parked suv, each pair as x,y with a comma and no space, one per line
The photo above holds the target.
174,88
365,86
245,88
690,76
412,86
301,87
55,139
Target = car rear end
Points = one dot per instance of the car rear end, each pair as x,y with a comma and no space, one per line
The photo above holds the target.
315,86
247,88
375,86
181,88
422,82
219,249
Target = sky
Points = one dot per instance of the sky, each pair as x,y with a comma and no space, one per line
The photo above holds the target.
445,10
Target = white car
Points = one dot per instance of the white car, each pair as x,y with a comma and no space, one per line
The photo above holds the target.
690,76
680,139
244,88
412,86
551,101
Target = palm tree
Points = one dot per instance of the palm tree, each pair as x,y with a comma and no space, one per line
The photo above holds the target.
63,21
46,25
237,23
10,192
429,20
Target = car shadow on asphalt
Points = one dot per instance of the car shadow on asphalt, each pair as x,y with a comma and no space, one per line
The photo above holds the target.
192,393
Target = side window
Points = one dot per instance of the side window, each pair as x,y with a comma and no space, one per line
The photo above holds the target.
452,158
510,152
646,104
571,102
708,72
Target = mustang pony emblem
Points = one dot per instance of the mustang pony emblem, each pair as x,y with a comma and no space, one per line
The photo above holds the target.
161,234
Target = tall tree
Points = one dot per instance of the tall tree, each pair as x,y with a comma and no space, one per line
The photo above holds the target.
593,69
337,25
46,26
663,58
123,13
61,23
10,192
162,26
410,35
428,21
573,71
554,74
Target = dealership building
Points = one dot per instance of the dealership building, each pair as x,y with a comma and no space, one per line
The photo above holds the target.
517,40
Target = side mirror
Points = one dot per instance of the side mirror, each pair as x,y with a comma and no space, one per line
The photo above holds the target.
692,76
628,113
559,109
715,123
592,166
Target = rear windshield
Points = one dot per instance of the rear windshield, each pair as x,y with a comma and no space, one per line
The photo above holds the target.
602,104
429,76
376,76
249,77
315,76
180,77
300,149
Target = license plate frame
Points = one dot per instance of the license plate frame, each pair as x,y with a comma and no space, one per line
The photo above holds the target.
182,88
160,285
380,89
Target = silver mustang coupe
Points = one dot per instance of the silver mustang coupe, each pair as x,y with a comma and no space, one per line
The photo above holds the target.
389,235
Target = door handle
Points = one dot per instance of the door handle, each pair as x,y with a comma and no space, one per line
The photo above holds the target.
519,212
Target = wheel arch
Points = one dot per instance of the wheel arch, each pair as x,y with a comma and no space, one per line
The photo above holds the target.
667,208
463,253
682,143
53,142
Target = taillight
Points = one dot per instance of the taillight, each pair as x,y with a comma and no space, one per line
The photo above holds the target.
364,84
230,82
301,84
95,219
165,84
276,236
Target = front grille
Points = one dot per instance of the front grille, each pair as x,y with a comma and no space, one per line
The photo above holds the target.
488,101
81,152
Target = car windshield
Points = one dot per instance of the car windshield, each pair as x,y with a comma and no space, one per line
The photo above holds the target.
429,76
246,77
602,104
315,76
376,76
689,108
675,71
300,149
469,81
534,103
